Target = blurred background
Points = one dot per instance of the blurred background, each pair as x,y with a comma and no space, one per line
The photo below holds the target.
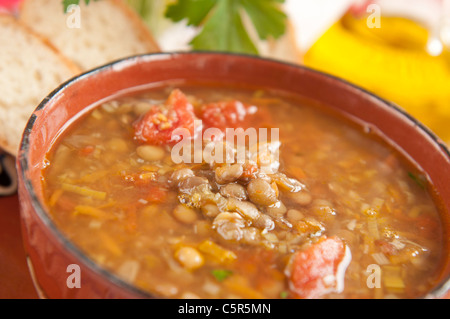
398,49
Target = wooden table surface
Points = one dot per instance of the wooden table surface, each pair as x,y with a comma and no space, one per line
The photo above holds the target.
15,279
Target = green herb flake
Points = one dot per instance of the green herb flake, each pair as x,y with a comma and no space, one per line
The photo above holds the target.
284,294
418,179
221,274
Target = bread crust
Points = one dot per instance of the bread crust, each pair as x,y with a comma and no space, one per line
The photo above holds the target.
46,42
144,33
7,144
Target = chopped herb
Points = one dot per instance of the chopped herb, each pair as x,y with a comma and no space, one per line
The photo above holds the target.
221,274
284,294
420,180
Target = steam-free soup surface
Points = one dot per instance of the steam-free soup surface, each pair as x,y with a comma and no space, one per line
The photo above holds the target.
325,212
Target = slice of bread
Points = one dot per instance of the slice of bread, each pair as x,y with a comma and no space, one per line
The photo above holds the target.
91,35
30,68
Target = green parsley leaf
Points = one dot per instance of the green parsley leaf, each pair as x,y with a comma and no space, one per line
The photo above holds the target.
143,7
194,10
267,18
221,274
68,3
223,29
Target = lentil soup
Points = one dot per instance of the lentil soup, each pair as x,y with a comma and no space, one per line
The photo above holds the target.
326,212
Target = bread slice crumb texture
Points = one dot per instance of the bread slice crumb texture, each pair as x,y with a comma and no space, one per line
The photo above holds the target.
94,35
29,70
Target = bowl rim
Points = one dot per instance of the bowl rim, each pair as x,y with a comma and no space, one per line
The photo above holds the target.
22,164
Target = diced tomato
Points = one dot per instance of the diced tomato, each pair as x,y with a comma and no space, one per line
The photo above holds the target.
131,218
224,114
156,194
66,203
87,150
250,169
157,126
386,247
319,269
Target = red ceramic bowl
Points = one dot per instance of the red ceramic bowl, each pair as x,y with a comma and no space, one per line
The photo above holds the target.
50,253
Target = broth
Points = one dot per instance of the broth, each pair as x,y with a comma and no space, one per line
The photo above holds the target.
325,211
